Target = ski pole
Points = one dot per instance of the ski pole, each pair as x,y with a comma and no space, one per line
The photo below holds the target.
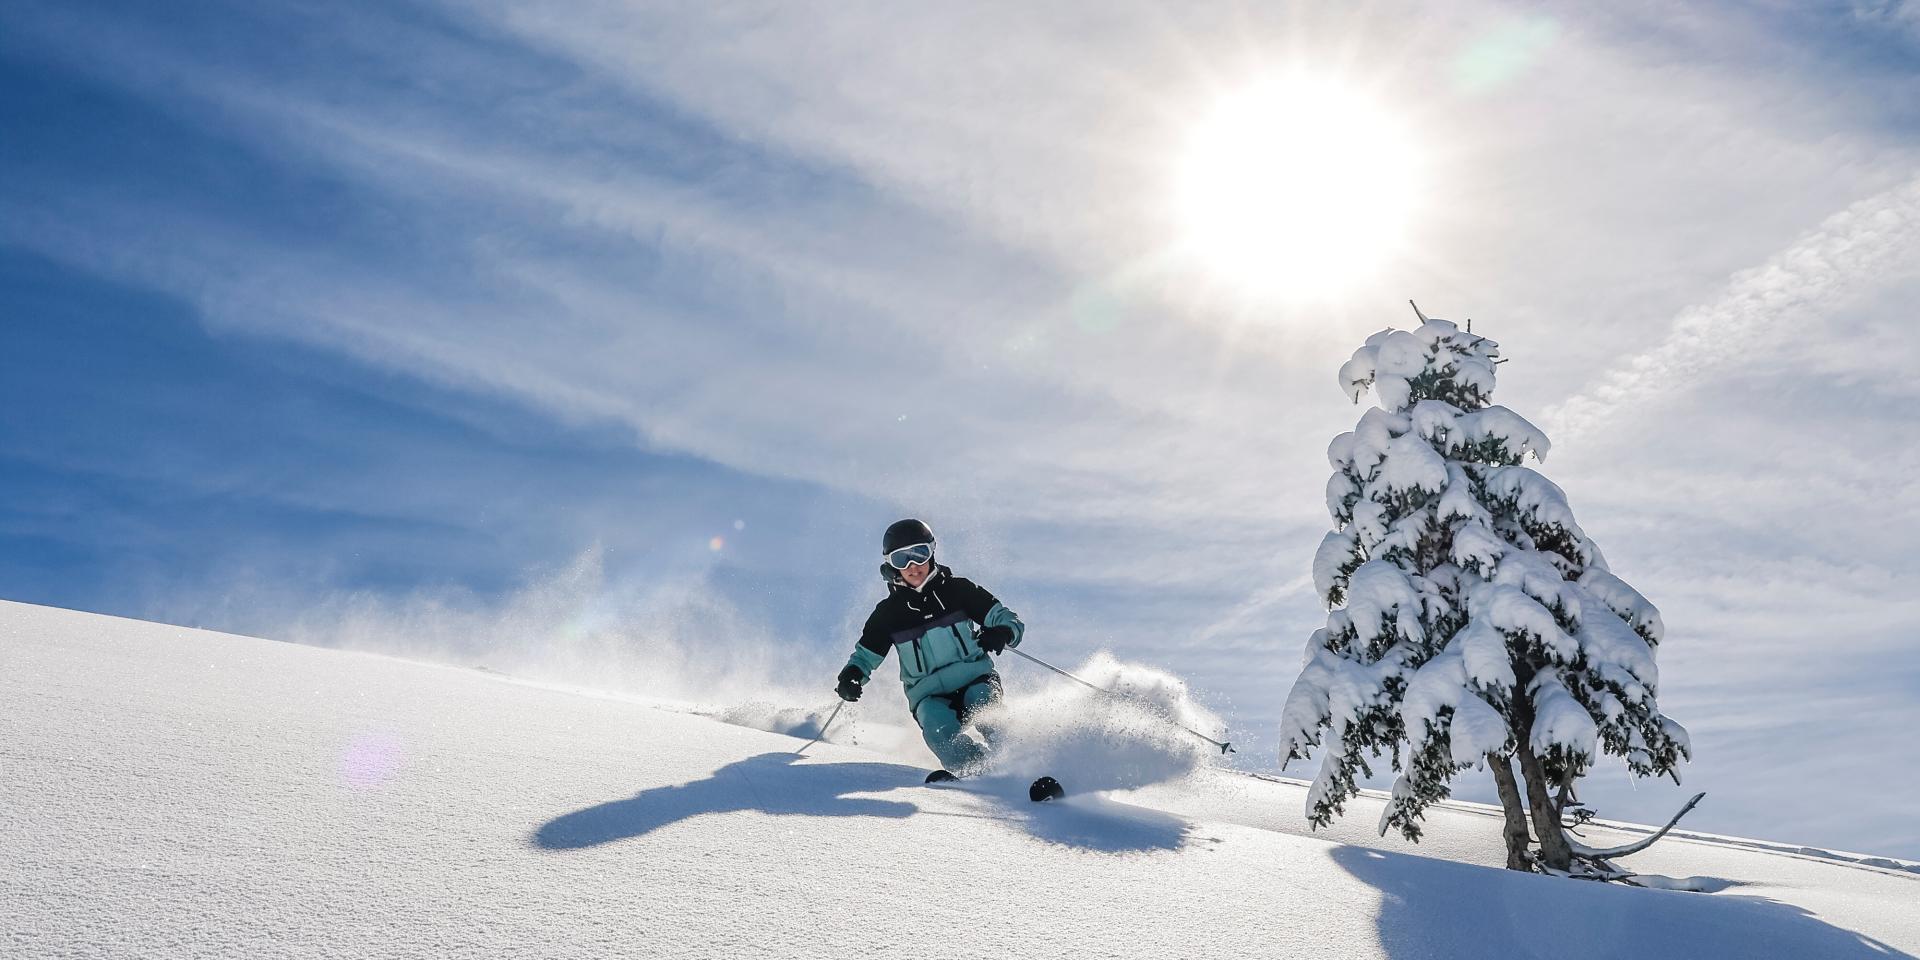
1225,748
824,726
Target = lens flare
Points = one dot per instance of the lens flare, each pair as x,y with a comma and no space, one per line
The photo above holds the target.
371,761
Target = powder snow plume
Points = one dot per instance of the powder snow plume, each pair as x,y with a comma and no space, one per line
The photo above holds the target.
574,627
1095,741
680,642
667,639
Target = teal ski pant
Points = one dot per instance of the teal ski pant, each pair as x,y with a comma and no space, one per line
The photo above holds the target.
942,717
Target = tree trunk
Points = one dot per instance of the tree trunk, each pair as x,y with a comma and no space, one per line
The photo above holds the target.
1516,828
1555,853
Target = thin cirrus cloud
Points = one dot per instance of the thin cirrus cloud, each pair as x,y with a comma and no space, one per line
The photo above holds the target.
647,379
922,258
1855,253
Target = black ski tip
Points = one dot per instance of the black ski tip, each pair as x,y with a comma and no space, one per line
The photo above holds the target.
940,776
1044,789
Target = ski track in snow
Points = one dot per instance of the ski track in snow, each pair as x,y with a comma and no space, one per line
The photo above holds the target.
178,793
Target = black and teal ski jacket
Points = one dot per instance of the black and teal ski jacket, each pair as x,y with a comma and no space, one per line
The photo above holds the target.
934,629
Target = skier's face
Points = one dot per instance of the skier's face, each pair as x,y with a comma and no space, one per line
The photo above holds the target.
917,574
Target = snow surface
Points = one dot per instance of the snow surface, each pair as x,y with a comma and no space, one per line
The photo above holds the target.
178,793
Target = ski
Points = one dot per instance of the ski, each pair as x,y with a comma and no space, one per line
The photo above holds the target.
1041,790
1044,789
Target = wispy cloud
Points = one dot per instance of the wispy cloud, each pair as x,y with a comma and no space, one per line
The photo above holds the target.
1853,254
1899,15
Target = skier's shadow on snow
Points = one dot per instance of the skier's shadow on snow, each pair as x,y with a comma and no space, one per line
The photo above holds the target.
1432,908
772,783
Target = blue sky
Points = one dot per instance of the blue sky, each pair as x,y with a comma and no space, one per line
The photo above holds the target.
310,307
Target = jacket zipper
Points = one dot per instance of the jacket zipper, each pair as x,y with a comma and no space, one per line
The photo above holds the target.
957,635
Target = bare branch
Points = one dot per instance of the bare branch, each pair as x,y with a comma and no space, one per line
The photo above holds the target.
1588,853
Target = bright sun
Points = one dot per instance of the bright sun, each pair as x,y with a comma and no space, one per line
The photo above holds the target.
1296,189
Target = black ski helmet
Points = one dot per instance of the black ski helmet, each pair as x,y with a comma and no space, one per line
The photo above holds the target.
905,533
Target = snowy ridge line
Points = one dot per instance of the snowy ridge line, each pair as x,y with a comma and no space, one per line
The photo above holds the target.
1384,796
1863,861
487,670
667,704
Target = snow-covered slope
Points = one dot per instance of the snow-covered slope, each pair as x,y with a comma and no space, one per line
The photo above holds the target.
170,793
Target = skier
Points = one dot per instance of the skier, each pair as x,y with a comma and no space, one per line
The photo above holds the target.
945,627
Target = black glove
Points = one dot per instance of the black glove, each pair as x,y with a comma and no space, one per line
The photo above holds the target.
994,640
850,680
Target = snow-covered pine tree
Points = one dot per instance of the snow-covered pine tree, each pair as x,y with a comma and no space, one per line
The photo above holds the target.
1473,622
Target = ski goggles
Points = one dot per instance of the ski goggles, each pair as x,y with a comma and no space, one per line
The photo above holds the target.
908,556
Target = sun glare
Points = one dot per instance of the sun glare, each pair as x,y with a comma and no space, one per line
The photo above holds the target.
1296,188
